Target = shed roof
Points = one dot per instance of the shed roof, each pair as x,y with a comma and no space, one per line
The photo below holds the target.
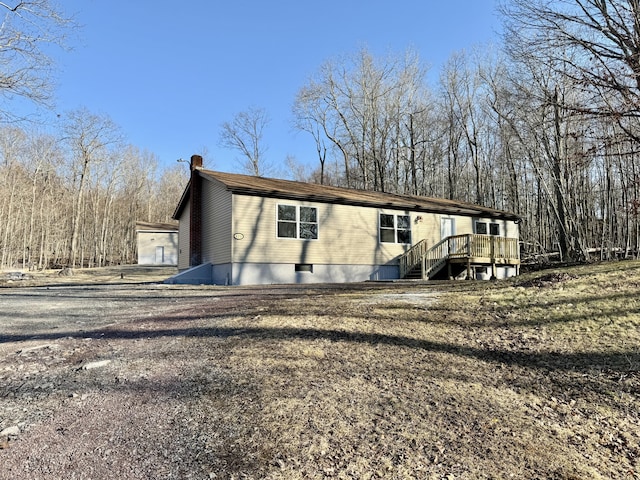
291,190
156,227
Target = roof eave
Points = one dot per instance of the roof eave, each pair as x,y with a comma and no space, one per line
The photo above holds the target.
239,185
182,202
468,212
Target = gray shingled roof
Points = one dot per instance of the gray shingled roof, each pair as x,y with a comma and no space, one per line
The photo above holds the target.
287,189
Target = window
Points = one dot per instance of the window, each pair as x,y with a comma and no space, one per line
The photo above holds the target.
395,228
297,222
481,228
304,267
308,223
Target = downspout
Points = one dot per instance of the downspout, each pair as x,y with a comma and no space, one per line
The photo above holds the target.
195,220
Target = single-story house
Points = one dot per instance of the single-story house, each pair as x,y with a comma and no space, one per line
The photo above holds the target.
157,243
239,230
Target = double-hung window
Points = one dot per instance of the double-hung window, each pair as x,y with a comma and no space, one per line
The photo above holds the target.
296,221
395,228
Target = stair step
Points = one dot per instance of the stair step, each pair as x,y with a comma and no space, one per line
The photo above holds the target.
415,273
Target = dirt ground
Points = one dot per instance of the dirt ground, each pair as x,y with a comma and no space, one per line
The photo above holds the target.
146,380
97,372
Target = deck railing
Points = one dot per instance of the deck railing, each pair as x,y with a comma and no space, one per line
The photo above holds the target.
485,248
494,248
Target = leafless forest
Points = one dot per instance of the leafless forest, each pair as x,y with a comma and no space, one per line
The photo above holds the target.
75,202
544,125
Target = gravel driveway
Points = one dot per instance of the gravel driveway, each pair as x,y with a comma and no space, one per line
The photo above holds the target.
106,381
88,390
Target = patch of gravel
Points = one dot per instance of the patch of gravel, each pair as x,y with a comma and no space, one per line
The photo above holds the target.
415,299
95,389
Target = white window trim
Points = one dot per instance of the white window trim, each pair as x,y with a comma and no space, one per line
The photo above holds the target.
395,228
297,222
488,224
475,227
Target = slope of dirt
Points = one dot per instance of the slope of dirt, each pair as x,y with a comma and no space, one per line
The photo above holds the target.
520,379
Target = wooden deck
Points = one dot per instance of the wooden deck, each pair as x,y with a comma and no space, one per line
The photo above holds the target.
470,250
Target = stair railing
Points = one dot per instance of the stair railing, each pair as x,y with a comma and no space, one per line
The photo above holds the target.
412,257
436,257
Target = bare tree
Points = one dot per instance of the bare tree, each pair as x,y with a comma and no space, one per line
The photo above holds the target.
245,134
12,181
596,43
167,193
365,108
43,158
28,28
455,118
77,201
308,112
89,137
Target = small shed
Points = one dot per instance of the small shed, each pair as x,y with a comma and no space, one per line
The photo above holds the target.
157,243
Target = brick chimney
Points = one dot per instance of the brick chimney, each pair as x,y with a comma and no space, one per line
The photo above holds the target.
196,162
195,220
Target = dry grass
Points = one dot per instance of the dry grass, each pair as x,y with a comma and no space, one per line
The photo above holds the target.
492,381
532,378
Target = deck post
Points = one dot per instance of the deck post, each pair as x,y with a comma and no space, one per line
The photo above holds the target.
493,250
494,273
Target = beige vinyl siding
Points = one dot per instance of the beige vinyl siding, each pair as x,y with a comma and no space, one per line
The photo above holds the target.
183,237
512,229
425,226
508,228
148,241
347,235
464,225
216,223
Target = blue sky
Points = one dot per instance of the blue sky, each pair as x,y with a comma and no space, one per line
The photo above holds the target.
169,73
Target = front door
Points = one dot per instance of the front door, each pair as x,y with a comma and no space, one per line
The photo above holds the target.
447,229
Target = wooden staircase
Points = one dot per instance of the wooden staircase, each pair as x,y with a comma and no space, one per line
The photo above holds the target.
411,260
415,273
424,263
